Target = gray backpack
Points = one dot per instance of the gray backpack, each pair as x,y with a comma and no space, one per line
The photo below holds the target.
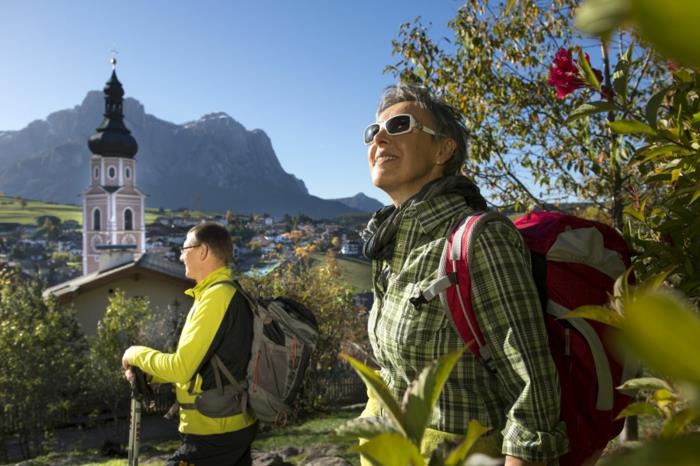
284,336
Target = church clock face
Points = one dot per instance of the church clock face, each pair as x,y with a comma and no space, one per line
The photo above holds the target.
95,241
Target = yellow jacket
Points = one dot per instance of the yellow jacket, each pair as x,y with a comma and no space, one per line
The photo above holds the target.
203,321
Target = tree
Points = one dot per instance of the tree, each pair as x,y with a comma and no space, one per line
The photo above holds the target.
230,217
336,243
120,327
494,71
42,353
50,228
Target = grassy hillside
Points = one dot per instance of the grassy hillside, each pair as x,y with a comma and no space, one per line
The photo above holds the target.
12,211
356,273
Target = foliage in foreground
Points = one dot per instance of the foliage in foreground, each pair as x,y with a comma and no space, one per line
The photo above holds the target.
396,439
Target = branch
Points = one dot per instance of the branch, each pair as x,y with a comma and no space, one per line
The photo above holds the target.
517,181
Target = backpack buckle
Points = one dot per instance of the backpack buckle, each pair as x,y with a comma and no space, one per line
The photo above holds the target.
418,299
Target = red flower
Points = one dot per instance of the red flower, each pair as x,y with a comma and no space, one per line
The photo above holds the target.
564,74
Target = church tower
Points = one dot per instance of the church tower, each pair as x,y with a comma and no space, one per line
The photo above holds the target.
113,207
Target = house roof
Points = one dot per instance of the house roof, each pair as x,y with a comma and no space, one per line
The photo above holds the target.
147,263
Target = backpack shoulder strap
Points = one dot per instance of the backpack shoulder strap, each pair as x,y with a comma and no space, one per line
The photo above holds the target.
468,227
211,354
453,283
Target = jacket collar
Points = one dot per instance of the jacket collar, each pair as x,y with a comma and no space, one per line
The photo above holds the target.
218,275
434,212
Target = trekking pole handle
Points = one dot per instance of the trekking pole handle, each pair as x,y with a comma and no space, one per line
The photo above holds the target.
139,387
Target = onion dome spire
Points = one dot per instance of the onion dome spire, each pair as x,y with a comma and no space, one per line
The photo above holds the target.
112,138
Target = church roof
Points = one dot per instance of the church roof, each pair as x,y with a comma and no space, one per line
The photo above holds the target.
148,263
111,189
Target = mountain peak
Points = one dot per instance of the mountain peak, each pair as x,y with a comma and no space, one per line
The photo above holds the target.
226,166
361,202
216,116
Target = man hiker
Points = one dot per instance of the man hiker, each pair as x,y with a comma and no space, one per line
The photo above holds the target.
415,151
205,440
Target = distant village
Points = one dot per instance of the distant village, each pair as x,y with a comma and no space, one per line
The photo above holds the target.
114,243
52,250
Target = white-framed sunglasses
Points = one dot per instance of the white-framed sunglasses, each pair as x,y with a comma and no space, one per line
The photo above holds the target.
398,124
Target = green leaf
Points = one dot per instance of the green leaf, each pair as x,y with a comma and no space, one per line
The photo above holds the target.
391,450
650,153
621,289
672,27
424,392
601,314
645,383
474,431
675,174
588,74
640,408
652,107
630,127
664,331
601,17
620,75
375,384
656,281
366,427
634,213
589,109
664,394
676,423
676,451
695,197
509,6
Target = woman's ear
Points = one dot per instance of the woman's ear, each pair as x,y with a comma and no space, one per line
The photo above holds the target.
446,151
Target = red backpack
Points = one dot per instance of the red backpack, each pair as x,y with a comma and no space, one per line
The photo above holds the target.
575,263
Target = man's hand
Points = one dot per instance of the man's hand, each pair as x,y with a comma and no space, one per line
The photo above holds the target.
125,359
129,375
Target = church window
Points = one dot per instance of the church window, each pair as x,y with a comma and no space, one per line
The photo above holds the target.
97,172
127,173
96,220
112,172
128,219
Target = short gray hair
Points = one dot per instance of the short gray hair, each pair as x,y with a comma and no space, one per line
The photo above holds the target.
448,120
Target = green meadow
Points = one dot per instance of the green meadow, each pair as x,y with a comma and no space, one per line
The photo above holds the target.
356,272
12,211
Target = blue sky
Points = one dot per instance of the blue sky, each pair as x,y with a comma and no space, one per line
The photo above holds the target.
308,72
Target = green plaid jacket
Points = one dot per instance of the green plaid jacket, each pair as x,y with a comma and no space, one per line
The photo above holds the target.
522,398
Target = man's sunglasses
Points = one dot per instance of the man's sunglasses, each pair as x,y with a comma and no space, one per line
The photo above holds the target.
398,124
185,248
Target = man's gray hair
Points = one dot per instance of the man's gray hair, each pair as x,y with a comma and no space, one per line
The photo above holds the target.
448,120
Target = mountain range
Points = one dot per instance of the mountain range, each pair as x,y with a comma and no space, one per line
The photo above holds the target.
213,163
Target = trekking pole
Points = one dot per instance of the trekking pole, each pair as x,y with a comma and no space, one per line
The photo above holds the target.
139,388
